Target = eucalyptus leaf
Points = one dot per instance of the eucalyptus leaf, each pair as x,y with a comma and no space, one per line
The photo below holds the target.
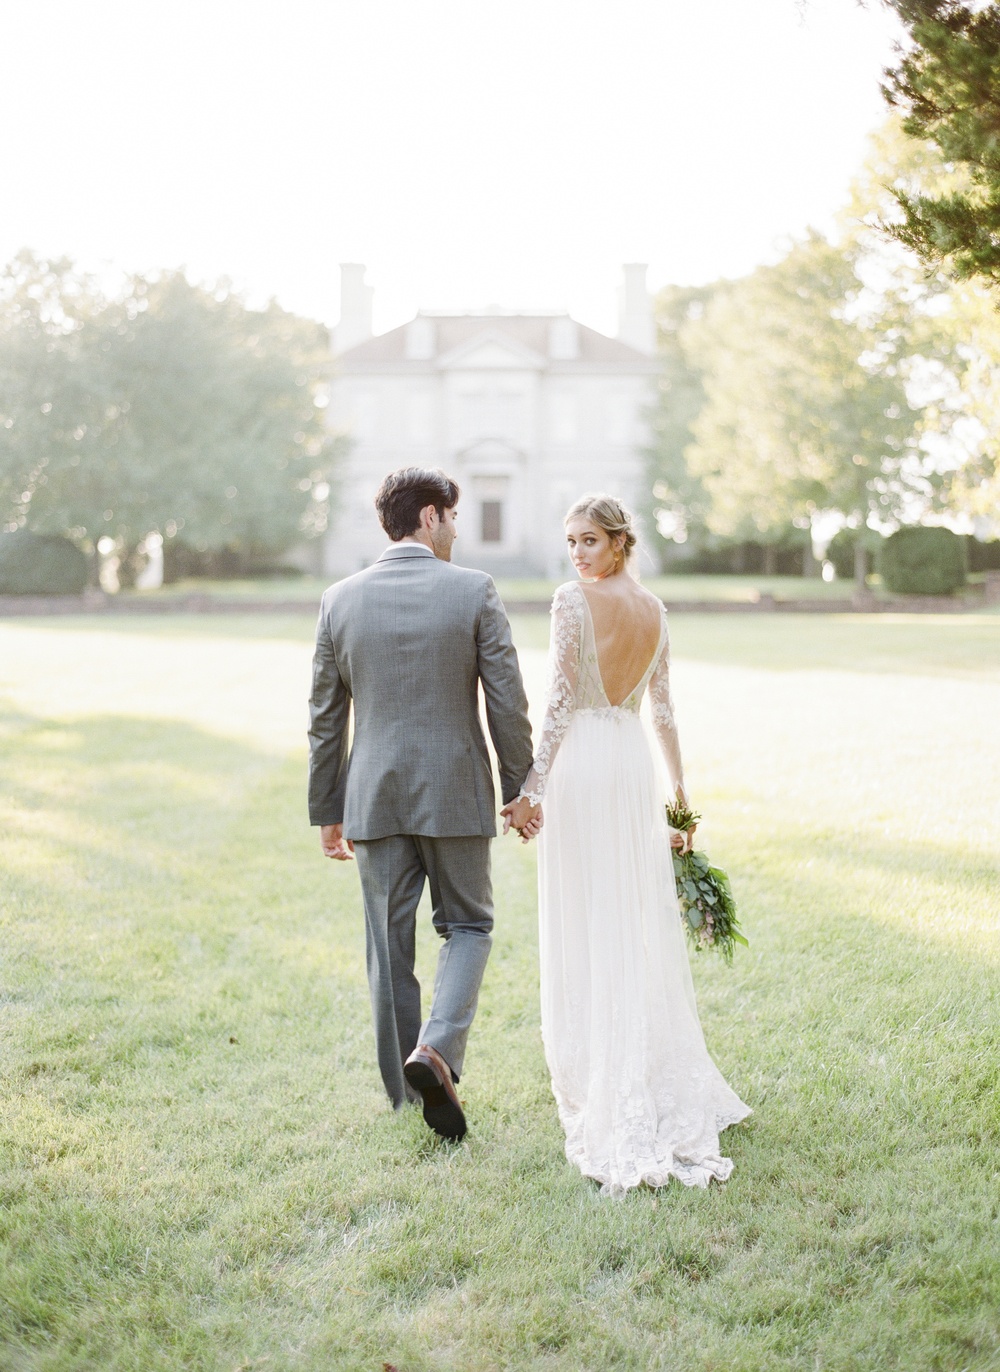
702,891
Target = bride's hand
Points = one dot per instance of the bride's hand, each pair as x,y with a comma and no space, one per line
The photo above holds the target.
523,817
683,842
533,827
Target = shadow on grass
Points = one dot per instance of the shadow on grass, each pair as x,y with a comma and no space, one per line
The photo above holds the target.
148,863
199,1168
118,805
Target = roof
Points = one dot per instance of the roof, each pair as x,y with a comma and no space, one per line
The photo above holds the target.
597,351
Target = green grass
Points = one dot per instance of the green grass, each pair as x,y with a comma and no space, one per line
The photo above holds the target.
695,587
729,588
717,589
198,1169
249,588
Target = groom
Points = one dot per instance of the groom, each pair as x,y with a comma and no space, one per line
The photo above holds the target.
409,641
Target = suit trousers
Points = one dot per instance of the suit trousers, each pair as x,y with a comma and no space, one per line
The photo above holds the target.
393,872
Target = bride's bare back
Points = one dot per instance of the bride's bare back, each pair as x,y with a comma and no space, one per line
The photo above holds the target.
626,622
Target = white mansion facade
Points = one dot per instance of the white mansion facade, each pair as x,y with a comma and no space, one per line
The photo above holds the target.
525,411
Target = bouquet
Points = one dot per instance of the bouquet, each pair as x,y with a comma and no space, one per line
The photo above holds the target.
703,893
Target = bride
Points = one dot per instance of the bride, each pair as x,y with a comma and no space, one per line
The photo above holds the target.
639,1098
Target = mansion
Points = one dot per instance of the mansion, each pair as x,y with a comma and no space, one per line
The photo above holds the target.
526,411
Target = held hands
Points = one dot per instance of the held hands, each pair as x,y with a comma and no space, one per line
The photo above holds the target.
333,843
523,817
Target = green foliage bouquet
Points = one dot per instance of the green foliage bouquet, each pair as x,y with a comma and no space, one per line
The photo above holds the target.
703,893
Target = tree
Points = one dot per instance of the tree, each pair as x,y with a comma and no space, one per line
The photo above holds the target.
972,487
44,309
168,408
953,327
679,501
806,403
946,85
844,378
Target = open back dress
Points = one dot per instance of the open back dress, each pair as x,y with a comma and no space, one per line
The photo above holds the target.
639,1098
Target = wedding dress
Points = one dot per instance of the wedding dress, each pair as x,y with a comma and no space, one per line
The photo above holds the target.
639,1098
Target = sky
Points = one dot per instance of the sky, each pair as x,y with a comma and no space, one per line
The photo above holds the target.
470,152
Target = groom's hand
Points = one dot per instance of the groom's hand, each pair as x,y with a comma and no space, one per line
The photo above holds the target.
521,815
333,843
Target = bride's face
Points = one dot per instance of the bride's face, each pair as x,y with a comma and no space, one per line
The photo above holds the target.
590,548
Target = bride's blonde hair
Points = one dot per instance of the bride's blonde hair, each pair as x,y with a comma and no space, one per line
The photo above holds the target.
608,514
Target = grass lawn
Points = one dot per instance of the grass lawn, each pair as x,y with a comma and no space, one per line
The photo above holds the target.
696,587
198,1169
734,588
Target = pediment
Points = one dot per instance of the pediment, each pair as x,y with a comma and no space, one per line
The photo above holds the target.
491,350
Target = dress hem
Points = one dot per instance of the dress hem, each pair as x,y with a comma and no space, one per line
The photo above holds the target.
655,1172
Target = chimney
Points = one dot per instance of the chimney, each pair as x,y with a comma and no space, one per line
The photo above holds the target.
635,309
355,323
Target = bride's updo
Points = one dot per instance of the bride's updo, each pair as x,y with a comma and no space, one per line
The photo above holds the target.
608,514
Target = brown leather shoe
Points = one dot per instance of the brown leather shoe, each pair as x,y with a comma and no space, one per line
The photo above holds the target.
427,1072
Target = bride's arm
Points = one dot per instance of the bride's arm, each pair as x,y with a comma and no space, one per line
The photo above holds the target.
662,708
560,696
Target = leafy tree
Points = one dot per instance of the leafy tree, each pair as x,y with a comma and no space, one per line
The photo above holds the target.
953,326
44,400
972,487
806,402
169,408
679,502
946,85
843,378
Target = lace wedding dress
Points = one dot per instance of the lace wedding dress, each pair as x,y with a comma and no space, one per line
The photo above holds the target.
639,1098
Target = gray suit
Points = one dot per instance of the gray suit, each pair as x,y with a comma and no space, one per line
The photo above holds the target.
408,641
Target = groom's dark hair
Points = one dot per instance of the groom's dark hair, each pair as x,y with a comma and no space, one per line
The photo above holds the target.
405,493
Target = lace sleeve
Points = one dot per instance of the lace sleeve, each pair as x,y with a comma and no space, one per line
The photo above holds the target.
665,725
560,694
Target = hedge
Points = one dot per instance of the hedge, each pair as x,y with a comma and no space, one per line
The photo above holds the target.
39,564
923,561
841,552
984,555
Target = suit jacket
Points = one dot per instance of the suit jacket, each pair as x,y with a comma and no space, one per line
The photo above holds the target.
408,641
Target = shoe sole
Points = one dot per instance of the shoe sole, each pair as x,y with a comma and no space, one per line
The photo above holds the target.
440,1112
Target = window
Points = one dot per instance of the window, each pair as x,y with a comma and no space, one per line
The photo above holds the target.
492,409
564,418
365,416
492,521
510,412
619,412
420,418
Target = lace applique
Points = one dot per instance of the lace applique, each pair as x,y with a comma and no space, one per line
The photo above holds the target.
619,712
561,687
661,705
575,687
614,968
